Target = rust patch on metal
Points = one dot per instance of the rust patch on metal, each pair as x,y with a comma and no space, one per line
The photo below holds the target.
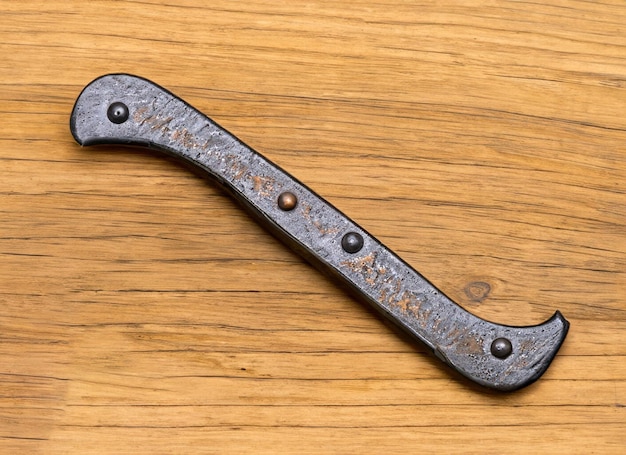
366,266
361,264
408,303
156,122
186,138
237,169
263,185
140,115
324,230
392,292
470,345
161,124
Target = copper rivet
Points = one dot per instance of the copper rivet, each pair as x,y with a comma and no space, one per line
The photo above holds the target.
501,348
352,242
287,201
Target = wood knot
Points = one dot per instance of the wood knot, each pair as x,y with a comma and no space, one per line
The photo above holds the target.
477,291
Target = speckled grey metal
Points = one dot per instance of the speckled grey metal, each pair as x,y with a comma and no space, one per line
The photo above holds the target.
315,228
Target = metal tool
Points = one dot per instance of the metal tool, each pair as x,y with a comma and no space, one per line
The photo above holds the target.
125,109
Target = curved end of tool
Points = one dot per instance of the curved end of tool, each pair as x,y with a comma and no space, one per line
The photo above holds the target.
537,349
83,111
100,115
507,358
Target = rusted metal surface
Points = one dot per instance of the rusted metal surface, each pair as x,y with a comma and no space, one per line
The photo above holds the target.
496,356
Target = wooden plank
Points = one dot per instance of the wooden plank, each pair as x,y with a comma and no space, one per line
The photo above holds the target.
143,312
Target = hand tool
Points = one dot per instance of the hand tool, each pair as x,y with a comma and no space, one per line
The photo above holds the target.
125,109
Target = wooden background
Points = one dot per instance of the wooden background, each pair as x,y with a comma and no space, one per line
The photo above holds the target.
143,312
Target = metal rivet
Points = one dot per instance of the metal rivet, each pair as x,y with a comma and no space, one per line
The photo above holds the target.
352,242
117,112
287,201
501,348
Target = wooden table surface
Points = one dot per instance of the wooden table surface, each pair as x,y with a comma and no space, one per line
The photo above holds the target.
143,312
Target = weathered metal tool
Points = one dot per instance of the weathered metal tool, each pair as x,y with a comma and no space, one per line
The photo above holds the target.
125,109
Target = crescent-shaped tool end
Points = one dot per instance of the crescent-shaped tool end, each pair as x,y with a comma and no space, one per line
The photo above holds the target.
506,358
103,112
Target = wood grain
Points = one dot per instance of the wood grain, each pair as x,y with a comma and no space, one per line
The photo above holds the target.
142,312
